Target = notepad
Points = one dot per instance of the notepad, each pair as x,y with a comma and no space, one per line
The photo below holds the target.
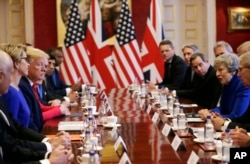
70,125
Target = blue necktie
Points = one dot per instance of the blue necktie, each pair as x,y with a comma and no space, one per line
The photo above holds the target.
40,91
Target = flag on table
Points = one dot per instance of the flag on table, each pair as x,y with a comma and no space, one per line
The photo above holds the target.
76,62
126,52
152,62
100,52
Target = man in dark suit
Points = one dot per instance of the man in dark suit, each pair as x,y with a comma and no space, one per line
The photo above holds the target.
36,118
48,87
19,144
207,88
54,82
188,84
174,67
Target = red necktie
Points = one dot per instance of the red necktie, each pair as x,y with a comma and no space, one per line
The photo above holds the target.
34,88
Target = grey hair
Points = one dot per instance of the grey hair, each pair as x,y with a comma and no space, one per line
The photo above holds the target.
192,46
230,60
245,59
224,44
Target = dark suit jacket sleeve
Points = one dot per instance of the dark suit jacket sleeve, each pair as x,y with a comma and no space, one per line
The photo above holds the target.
60,88
242,122
18,150
178,71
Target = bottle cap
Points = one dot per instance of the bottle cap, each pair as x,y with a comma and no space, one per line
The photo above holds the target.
92,153
209,117
87,132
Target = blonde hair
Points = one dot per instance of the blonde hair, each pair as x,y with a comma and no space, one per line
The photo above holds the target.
14,51
34,53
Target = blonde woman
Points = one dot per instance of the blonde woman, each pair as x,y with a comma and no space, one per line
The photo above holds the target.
19,108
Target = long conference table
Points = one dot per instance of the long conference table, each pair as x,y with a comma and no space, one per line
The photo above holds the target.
144,139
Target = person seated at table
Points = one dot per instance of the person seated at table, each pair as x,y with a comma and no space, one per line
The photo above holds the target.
221,123
38,61
188,84
243,48
54,82
174,67
19,108
50,97
222,47
207,88
18,143
235,97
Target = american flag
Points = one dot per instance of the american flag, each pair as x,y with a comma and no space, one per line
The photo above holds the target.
100,52
76,62
126,52
152,62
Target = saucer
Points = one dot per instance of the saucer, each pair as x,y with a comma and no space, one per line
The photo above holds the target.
197,140
98,148
216,157
111,125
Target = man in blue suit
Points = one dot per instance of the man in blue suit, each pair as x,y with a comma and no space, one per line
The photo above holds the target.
54,81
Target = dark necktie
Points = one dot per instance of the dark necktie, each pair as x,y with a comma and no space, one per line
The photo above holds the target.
168,70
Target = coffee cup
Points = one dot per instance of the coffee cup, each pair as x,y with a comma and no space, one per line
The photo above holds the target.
111,119
84,158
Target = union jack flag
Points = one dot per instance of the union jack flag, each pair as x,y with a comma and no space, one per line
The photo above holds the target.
152,62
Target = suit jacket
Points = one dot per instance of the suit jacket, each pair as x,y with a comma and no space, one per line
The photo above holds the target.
207,89
21,143
242,122
188,84
48,95
36,118
174,78
55,84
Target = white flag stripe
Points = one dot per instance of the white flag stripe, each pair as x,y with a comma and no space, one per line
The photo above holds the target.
109,62
135,62
86,62
97,79
69,67
158,29
120,73
125,63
